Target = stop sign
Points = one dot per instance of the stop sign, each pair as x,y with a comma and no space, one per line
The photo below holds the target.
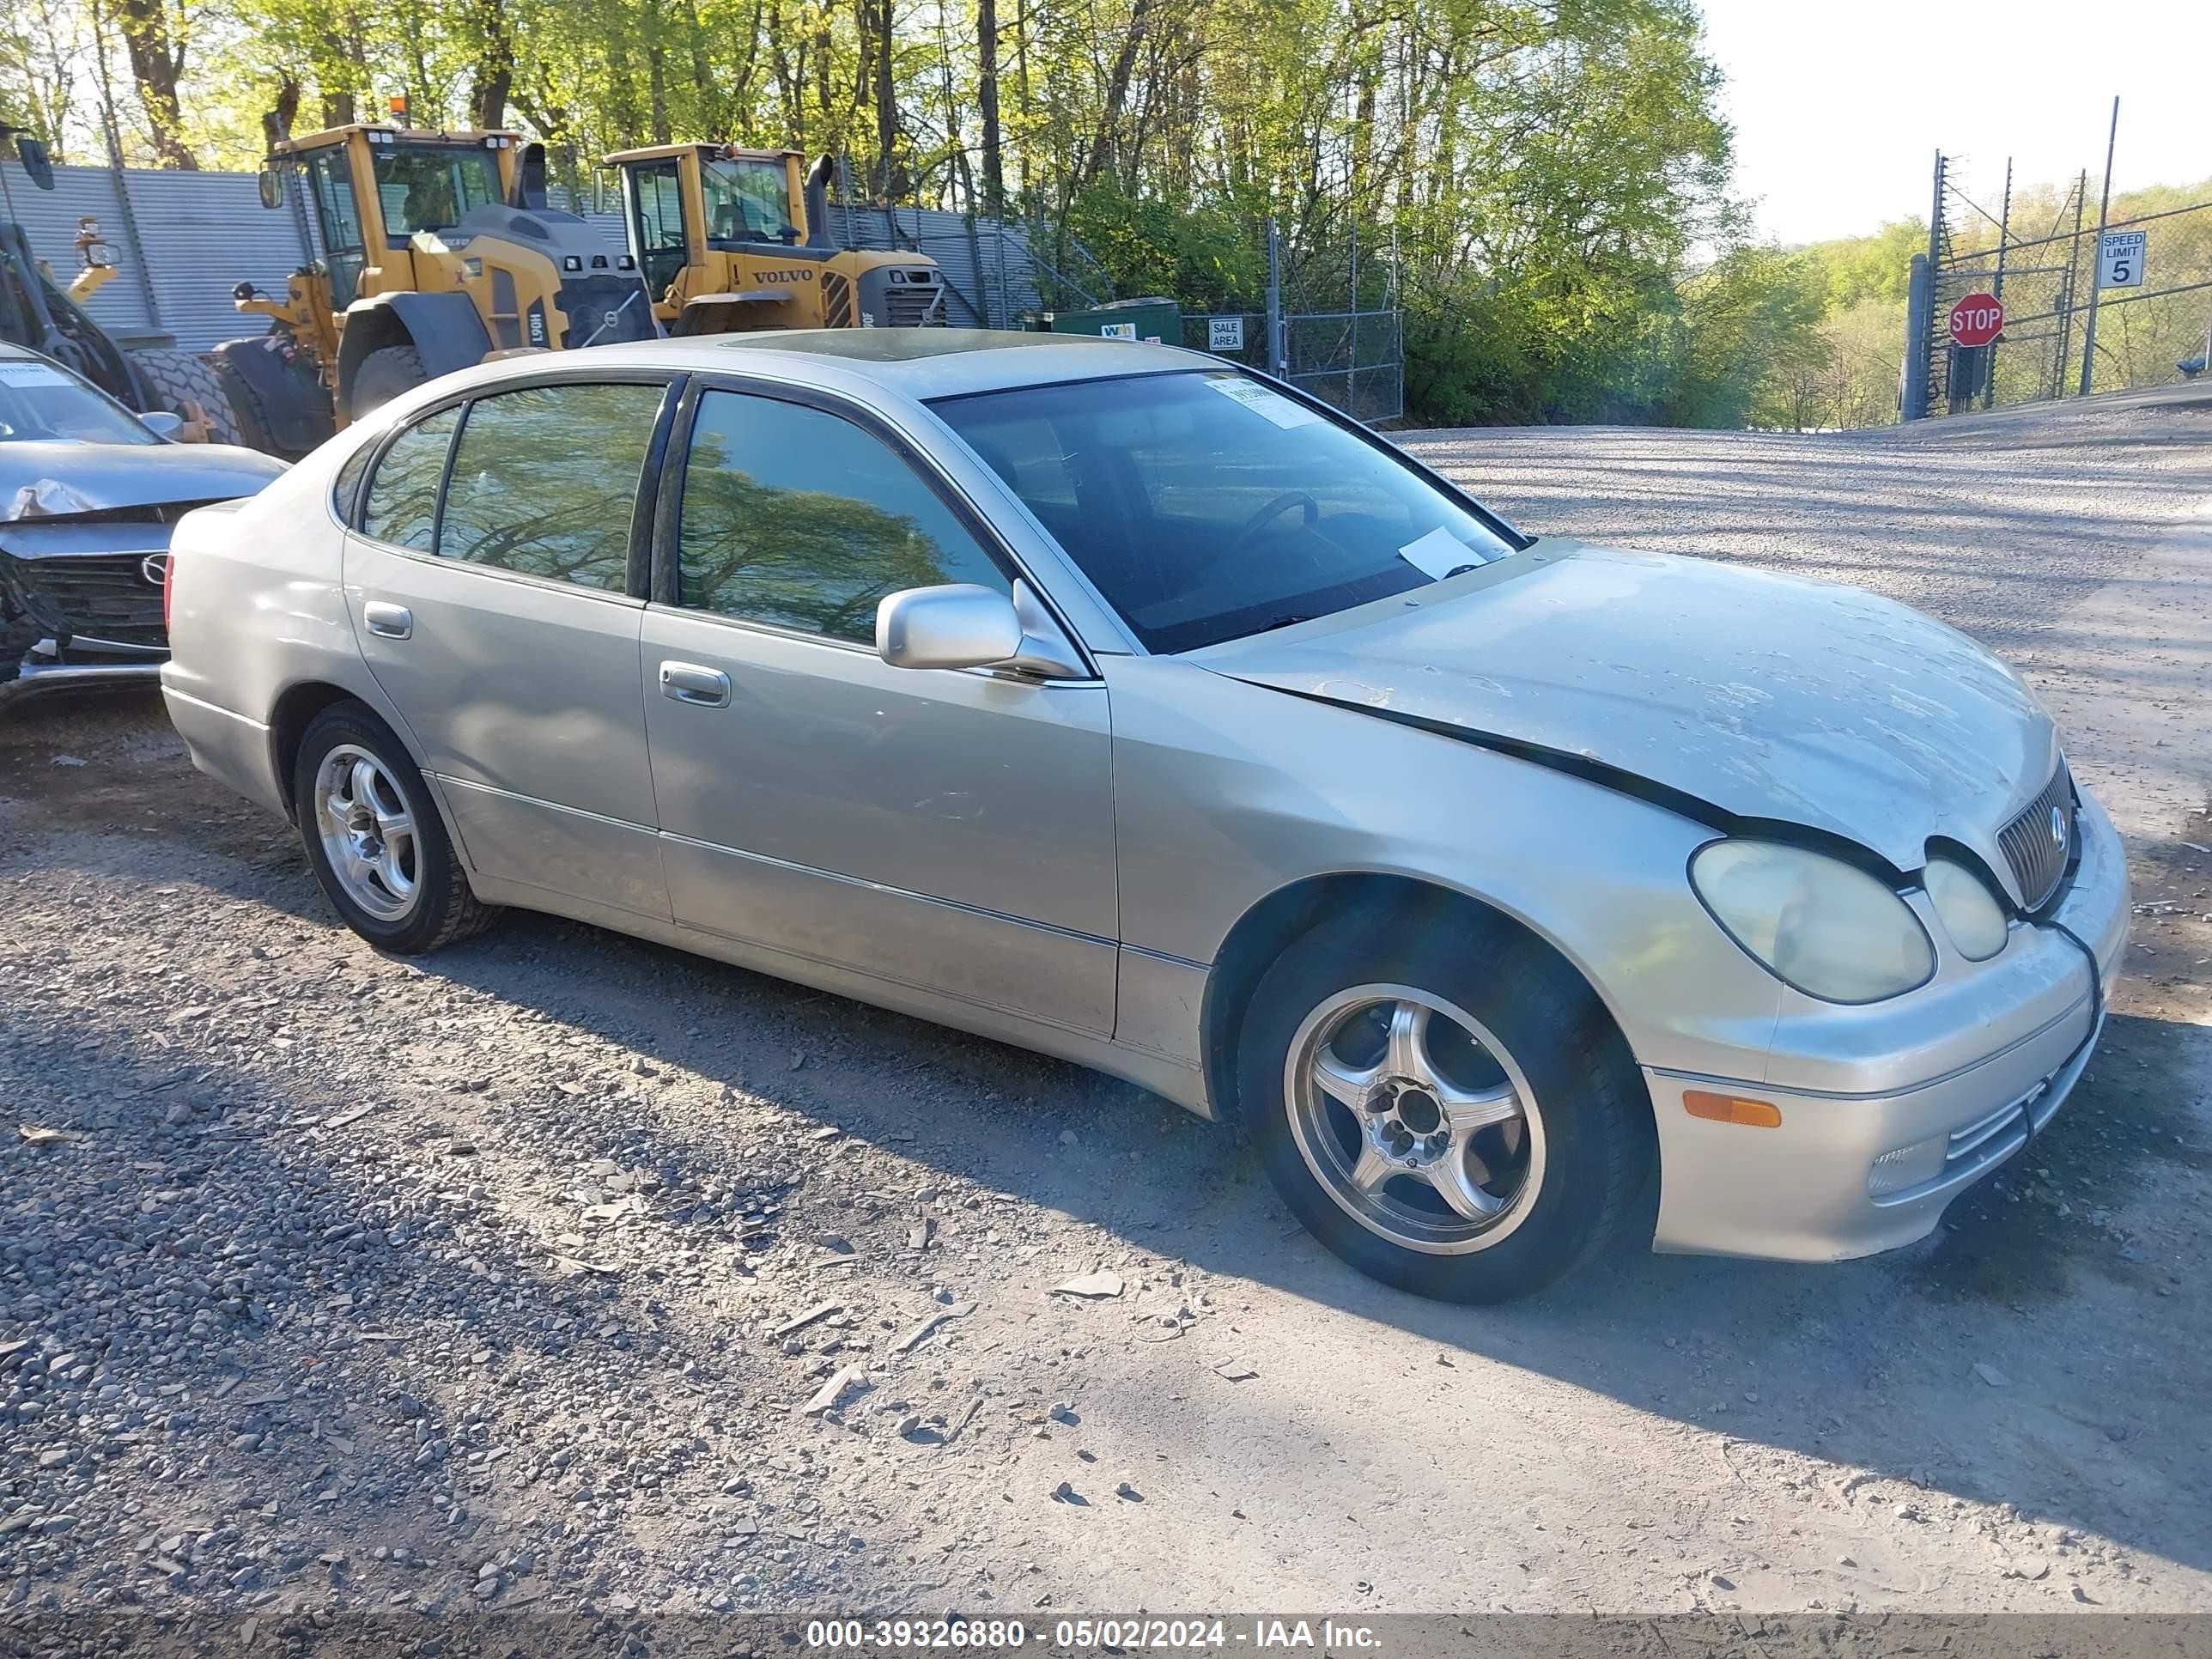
1977,320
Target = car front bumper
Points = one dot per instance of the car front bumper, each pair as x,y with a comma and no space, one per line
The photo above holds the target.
1851,1171
87,664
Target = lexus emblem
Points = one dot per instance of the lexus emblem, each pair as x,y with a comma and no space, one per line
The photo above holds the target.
2058,827
154,567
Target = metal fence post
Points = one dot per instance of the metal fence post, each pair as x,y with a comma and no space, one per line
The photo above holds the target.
2097,259
2004,245
1278,344
1919,313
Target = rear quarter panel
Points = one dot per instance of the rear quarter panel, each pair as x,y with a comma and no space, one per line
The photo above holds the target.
257,609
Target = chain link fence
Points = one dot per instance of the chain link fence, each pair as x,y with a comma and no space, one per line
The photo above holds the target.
2153,311
1353,360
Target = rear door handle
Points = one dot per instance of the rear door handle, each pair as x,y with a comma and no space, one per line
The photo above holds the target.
688,681
388,621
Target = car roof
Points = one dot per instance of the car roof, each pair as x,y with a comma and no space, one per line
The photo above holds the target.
917,363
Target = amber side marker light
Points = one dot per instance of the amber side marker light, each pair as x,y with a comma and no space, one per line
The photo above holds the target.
1732,1108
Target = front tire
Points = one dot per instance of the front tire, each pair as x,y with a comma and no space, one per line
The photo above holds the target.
384,375
379,849
1449,1109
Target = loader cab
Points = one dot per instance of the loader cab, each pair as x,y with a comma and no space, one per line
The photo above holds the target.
685,201
373,187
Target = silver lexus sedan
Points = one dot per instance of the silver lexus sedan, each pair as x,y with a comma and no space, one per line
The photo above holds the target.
1111,700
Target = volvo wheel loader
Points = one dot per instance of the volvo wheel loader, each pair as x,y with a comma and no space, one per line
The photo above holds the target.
732,239
439,250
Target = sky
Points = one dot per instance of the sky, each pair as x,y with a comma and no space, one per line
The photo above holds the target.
1839,109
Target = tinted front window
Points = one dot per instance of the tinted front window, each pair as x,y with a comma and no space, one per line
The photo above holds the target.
798,518
41,401
403,497
1206,505
747,201
657,211
430,186
330,175
545,479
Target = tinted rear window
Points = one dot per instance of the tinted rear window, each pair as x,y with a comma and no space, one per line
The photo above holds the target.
403,498
545,479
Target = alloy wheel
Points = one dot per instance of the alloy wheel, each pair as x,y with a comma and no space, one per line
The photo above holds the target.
367,830
1415,1119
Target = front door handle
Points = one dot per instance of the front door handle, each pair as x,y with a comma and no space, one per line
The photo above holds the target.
688,681
388,621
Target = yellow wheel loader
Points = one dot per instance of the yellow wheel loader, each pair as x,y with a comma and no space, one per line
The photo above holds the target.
439,250
732,239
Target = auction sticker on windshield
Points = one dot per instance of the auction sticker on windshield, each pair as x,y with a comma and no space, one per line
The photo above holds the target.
1263,400
1440,554
22,374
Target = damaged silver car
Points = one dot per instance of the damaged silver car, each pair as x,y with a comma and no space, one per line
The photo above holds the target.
88,494
1108,700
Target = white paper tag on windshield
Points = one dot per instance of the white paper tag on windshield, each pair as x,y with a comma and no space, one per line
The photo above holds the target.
20,373
1439,553
1263,400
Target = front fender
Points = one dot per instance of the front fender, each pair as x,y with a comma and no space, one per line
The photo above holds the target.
1226,792
444,328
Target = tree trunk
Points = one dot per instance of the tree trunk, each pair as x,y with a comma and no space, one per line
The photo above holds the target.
987,104
1117,93
492,79
157,59
656,60
891,176
288,102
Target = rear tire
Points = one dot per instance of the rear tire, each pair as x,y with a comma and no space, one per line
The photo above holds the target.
255,430
177,378
379,849
1497,1129
384,375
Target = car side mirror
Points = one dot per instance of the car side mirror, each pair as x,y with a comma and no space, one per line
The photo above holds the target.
163,422
37,161
960,625
272,188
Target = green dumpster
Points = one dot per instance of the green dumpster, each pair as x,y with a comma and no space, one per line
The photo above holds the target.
1155,319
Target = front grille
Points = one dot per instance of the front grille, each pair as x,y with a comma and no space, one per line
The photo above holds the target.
606,310
914,299
2039,843
100,595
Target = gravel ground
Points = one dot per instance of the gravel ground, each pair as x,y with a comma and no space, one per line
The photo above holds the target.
566,1272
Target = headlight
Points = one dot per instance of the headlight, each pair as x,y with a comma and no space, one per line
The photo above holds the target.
1816,923
1975,922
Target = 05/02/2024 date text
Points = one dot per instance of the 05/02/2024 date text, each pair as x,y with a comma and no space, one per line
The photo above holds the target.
1111,1634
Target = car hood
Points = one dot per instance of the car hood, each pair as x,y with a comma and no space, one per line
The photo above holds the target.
1757,697
110,477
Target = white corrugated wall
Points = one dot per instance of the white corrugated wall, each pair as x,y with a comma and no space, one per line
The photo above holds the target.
197,235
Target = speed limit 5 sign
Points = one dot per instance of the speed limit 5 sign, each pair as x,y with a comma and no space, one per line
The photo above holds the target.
2120,259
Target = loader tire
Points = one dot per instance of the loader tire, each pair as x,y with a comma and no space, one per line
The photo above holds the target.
383,375
180,380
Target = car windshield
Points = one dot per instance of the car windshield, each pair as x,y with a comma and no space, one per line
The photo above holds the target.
430,186
43,402
1207,505
747,201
